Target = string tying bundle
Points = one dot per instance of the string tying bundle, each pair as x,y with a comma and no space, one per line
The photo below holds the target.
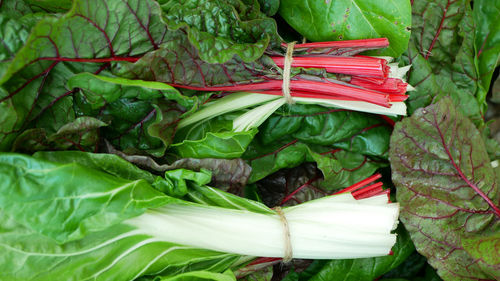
288,253
287,68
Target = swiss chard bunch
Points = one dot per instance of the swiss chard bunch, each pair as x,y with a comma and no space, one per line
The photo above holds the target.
182,87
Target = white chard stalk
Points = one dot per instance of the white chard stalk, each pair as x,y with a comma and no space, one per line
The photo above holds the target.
333,227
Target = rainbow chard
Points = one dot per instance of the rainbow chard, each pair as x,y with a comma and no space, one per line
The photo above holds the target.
326,73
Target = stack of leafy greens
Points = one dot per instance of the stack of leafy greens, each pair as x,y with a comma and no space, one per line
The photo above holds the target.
91,135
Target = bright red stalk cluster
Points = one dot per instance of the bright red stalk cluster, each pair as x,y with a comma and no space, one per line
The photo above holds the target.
361,65
366,188
366,78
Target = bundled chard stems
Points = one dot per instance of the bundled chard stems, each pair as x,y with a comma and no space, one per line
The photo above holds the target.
354,223
350,81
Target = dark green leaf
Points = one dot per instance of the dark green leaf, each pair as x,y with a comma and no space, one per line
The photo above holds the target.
487,38
411,267
354,131
15,8
269,7
91,33
139,113
13,35
339,168
55,6
441,52
184,66
81,134
326,20
446,187
221,29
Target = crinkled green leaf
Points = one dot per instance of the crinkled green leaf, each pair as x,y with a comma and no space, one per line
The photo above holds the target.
101,90
55,6
117,253
269,7
227,174
221,29
90,34
67,201
354,131
441,52
184,66
81,134
326,20
487,38
139,113
339,168
13,34
15,8
446,186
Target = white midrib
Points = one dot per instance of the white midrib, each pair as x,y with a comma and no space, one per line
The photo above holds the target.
110,241
97,194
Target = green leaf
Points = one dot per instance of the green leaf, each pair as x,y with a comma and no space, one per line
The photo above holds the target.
487,38
216,145
184,66
446,187
227,174
117,253
269,7
55,6
354,131
108,163
92,33
200,275
101,90
80,134
441,52
485,250
139,113
13,34
326,20
67,201
220,30
15,8
366,269
339,168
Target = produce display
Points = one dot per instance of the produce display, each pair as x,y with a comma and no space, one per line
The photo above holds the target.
249,140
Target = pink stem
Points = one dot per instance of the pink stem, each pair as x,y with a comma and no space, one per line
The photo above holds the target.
375,43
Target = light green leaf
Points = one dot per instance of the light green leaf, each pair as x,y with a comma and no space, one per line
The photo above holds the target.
331,20
67,201
118,253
